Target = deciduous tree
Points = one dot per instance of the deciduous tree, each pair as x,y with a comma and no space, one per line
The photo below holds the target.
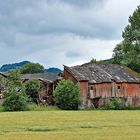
32,68
128,52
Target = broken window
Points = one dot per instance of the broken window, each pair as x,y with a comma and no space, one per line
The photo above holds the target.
91,92
119,87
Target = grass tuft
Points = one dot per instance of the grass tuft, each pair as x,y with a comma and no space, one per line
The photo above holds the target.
40,129
90,127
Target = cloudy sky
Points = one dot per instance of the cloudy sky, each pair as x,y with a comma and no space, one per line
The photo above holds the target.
57,32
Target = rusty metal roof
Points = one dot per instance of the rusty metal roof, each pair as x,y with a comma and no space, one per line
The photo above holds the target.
98,73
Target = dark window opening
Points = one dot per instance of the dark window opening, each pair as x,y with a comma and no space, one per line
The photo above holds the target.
91,88
119,87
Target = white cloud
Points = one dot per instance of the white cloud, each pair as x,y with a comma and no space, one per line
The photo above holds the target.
69,49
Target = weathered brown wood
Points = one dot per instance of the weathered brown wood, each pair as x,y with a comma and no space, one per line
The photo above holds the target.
106,88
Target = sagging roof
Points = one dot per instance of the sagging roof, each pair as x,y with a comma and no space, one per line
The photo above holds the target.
3,75
47,76
99,73
41,76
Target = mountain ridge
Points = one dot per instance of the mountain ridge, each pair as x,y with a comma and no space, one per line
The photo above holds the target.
13,66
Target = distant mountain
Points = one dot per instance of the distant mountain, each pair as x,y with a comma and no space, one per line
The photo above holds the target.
54,70
8,67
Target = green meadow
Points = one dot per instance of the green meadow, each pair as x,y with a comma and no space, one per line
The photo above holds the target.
70,125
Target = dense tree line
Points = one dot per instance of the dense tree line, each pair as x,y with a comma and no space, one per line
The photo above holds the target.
127,53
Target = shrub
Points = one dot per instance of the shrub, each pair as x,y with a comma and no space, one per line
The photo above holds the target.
15,102
67,95
15,99
116,104
31,89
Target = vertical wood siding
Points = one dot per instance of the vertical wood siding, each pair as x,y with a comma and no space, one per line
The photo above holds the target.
129,91
68,76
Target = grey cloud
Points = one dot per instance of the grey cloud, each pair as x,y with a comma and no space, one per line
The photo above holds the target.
80,3
74,54
45,30
35,17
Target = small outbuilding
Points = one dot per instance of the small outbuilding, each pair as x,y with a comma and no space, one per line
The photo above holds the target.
49,82
100,82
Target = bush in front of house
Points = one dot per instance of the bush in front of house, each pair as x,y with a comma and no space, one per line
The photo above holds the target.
67,95
116,104
31,89
15,102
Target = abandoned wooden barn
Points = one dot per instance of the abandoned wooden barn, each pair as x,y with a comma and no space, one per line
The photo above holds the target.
100,82
49,82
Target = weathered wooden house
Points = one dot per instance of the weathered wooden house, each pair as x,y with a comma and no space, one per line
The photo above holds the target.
49,82
100,82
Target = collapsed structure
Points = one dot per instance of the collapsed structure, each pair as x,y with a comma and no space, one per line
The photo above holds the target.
100,82
48,80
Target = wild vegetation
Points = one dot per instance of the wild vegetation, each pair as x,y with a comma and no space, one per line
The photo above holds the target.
31,68
15,98
128,51
31,89
67,95
116,104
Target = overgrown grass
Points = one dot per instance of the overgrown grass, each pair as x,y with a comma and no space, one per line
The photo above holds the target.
70,125
133,108
35,107
1,108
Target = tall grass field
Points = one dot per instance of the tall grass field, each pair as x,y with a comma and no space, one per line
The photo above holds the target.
70,125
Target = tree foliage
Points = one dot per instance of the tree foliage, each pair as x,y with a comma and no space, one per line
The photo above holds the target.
67,95
128,51
32,68
95,61
13,83
15,102
15,98
31,89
